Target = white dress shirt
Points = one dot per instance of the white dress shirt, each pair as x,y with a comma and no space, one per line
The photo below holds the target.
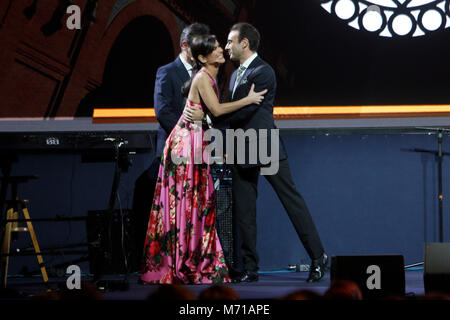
187,65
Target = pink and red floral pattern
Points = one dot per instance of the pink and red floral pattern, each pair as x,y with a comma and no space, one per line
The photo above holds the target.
182,245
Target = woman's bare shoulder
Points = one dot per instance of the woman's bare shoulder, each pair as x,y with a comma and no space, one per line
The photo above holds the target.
200,78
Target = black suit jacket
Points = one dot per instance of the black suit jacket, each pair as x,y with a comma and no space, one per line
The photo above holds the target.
168,100
255,116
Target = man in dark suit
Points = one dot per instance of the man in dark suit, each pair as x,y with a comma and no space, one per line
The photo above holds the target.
168,100
242,46
169,104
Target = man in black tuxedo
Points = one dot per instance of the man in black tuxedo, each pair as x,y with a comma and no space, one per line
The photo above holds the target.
242,46
169,104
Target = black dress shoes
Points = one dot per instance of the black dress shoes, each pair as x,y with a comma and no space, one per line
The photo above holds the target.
246,277
318,268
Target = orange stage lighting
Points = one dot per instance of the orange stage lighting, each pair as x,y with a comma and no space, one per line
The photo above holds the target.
130,115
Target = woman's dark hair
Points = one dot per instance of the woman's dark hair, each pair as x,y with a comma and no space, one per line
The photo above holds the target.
201,45
246,30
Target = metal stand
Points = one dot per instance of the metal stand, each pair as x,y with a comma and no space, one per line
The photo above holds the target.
440,157
103,284
17,206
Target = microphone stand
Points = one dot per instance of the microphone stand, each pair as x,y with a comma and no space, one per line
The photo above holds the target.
440,157
111,285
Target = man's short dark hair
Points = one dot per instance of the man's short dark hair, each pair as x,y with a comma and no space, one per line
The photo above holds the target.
193,30
246,30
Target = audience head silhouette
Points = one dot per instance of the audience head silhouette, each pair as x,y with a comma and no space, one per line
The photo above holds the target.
343,290
302,295
172,292
219,292
87,292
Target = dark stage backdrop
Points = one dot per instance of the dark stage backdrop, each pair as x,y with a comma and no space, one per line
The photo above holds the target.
366,193
318,58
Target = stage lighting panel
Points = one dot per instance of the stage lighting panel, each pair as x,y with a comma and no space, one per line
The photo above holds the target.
392,18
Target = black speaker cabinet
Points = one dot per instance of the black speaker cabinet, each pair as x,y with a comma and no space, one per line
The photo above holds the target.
111,242
224,212
377,275
436,274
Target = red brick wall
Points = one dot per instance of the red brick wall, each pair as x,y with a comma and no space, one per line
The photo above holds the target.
33,67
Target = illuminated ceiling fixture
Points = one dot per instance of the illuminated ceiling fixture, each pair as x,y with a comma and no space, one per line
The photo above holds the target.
392,18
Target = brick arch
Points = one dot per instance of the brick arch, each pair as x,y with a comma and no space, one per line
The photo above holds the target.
134,10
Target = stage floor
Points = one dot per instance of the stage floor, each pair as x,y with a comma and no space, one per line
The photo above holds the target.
271,285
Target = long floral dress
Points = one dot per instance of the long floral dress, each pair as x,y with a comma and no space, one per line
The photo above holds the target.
182,245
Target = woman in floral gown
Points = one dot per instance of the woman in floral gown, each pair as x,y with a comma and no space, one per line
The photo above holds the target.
182,245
